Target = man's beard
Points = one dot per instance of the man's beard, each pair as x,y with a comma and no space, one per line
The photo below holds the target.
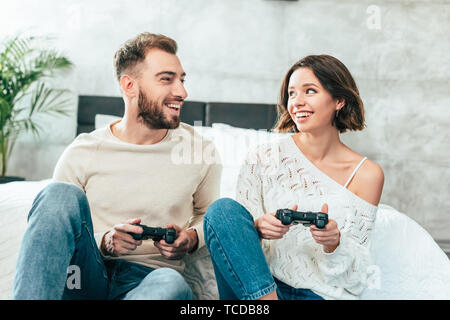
152,113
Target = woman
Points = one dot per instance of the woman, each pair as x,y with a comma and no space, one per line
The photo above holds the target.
254,255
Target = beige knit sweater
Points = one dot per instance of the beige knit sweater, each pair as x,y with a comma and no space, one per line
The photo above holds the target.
160,183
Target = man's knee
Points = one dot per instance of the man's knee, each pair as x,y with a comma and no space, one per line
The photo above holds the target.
59,200
63,190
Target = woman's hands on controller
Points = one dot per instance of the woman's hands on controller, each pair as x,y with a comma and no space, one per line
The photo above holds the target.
270,228
329,236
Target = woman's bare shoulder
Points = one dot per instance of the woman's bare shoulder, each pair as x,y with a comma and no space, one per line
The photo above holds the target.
369,181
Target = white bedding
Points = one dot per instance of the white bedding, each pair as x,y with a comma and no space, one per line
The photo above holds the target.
408,264
411,265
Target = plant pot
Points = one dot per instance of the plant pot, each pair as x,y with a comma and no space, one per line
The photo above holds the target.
7,179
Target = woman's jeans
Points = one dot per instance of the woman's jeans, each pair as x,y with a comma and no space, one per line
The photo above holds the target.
239,263
59,258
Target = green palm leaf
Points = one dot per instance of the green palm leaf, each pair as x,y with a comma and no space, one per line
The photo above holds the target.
25,92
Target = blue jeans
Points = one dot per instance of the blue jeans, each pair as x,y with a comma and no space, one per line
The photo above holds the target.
239,263
59,258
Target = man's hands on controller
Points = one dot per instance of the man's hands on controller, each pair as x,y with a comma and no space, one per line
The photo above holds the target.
186,242
118,241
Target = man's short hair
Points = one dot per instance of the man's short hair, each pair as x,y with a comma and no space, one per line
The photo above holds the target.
134,50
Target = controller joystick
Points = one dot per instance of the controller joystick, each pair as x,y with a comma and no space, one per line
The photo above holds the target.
156,234
288,216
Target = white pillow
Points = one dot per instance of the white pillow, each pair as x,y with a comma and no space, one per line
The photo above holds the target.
233,144
103,120
410,263
207,132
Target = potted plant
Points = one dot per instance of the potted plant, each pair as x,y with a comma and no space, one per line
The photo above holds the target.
25,91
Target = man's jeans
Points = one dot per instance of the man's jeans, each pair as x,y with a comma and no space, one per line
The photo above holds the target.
239,263
59,258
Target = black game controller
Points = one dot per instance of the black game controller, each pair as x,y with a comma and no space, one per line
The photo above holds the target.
156,234
287,216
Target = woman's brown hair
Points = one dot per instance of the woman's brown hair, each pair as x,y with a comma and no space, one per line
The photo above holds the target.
338,81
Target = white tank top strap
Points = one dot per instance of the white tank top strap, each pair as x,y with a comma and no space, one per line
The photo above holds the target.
354,171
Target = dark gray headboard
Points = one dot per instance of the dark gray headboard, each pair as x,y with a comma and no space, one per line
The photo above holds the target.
243,115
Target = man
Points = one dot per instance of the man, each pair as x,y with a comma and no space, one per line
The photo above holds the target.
116,177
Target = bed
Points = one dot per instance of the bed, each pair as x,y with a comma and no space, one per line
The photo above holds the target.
408,264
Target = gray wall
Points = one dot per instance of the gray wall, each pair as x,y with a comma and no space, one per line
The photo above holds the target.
238,51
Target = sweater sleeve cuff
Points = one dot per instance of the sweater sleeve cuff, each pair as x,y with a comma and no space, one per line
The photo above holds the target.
98,240
200,236
336,251
340,254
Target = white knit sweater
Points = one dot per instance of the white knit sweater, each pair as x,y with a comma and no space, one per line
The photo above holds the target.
277,175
